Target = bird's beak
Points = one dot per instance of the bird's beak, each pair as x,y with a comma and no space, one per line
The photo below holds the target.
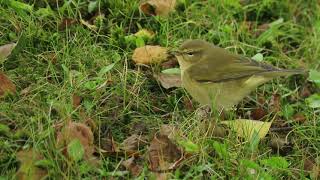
174,52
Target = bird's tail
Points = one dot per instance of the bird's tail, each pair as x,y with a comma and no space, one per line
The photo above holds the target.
284,72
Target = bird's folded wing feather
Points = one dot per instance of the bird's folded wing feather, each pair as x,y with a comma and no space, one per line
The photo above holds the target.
240,67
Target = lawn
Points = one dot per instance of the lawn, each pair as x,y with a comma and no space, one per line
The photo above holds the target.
75,104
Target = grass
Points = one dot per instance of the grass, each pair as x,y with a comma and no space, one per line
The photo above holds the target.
50,65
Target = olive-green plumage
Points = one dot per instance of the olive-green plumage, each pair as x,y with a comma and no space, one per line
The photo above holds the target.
214,76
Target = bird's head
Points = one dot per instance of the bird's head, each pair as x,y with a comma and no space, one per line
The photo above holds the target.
191,52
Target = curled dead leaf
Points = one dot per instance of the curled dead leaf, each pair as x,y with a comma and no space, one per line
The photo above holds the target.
158,7
258,113
28,168
171,63
169,80
5,51
162,153
312,168
172,132
132,143
299,118
132,166
74,131
149,54
66,23
76,101
6,85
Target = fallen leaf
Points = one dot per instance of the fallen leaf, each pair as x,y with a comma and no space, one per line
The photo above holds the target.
149,54
258,113
299,118
76,101
172,132
132,143
6,85
158,7
171,63
28,168
66,23
5,51
132,166
246,128
76,131
169,80
312,168
107,142
305,91
162,153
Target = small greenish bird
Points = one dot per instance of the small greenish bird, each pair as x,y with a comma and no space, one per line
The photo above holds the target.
213,76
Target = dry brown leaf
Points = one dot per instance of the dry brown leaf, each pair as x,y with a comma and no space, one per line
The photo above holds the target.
305,91
312,168
149,54
299,118
6,85
171,63
169,80
162,153
76,101
107,143
258,113
158,7
132,143
132,166
78,131
5,51
66,23
28,169
172,132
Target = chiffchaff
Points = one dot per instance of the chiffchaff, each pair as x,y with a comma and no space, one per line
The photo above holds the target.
215,77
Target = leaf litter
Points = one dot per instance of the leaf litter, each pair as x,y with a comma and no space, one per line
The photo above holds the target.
5,51
157,7
149,54
72,132
6,85
28,168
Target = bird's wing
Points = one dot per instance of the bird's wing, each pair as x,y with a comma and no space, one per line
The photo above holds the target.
239,67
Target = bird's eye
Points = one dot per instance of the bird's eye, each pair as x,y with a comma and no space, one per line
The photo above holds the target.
190,54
